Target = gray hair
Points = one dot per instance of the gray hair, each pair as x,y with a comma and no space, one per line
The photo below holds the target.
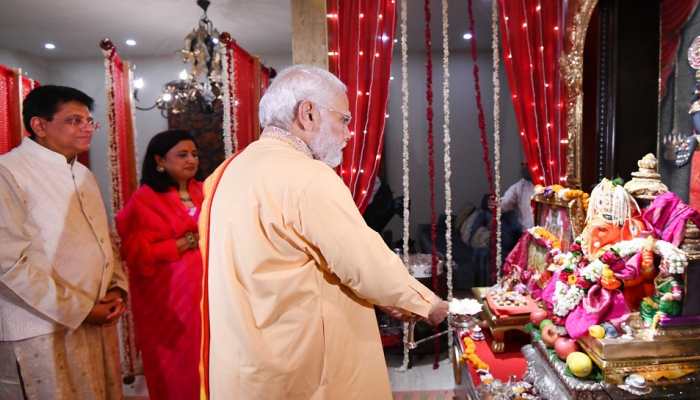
290,87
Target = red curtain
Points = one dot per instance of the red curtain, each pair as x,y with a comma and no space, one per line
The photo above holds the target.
533,40
251,78
11,95
122,155
360,42
674,15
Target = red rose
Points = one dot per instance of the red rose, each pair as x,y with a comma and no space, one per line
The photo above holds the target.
582,283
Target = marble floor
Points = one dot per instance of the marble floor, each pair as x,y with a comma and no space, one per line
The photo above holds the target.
421,376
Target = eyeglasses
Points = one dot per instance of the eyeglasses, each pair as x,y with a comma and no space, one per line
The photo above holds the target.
78,122
346,117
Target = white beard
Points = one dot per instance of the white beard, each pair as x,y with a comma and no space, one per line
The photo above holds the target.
326,149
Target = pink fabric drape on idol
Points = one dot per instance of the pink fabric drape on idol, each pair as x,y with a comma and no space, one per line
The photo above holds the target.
360,43
533,40
667,216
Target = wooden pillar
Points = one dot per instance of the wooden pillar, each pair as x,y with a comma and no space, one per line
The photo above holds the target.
309,33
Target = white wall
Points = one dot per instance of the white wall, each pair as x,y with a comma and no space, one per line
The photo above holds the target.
34,67
469,182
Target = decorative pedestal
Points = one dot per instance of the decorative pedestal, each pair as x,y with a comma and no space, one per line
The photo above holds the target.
546,372
499,325
669,353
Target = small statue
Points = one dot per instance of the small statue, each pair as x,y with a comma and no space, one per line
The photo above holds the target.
665,301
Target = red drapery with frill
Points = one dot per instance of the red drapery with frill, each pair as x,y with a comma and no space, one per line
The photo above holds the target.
250,79
360,43
533,41
121,150
13,89
674,15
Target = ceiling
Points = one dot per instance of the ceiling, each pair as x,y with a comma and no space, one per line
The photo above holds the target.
159,26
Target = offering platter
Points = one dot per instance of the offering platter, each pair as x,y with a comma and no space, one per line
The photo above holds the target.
499,325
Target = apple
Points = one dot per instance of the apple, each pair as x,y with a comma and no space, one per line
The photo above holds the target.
565,346
579,364
537,316
549,335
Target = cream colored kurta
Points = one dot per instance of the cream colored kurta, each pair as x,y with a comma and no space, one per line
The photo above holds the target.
56,262
293,274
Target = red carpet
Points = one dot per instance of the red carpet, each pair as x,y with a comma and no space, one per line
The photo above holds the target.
503,365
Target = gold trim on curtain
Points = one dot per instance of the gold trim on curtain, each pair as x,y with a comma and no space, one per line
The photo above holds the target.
571,64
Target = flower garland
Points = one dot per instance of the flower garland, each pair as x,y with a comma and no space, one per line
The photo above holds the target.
577,274
469,355
447,158
405,158
482,130
112,146
126,324
431,154
230,125
495,77
545,237
563,193
228,144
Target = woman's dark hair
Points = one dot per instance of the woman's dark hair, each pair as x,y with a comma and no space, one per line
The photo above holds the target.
43,102
159,145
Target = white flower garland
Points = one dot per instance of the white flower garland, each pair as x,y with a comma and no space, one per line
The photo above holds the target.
228,62
228,143
567,298
593,271
405,157
447,157
112,147
496,132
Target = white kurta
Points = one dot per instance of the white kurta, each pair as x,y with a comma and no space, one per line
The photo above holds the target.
56,262
293,274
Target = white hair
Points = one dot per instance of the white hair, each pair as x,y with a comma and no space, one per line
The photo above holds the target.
293,85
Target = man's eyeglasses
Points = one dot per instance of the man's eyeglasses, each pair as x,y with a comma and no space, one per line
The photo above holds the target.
346,117
82,123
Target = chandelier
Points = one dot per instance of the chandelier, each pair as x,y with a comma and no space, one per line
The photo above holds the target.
202,84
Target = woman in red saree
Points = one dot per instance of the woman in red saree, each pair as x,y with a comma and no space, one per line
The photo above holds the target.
158,229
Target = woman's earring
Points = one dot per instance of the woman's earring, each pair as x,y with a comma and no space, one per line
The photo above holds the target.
160,168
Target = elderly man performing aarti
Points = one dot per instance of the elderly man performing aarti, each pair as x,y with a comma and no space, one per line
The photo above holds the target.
293,271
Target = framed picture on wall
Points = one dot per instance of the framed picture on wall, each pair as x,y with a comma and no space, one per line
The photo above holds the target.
564,219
